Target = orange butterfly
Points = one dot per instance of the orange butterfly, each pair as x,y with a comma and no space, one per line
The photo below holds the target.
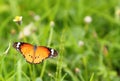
34,54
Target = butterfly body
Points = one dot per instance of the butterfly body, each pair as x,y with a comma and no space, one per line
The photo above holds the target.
34,54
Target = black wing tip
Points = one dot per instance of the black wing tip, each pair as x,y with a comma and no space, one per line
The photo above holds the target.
53,52
15,44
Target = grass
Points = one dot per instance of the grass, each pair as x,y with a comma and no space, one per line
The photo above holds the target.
87,51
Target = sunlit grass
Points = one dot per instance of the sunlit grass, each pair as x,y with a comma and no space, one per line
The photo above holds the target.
87,51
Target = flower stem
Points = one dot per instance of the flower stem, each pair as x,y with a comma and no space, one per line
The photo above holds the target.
49,42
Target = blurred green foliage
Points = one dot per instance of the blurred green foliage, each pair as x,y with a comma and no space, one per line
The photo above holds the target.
88,50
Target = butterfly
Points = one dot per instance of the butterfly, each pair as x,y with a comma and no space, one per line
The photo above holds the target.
34,54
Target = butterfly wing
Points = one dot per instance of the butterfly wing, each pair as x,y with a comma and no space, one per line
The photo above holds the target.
26,50
41,53
34,54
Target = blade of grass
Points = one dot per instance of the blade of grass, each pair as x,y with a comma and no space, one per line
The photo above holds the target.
74,78
91,78
25,76
60,57
11,77
19,73
49,42
62,79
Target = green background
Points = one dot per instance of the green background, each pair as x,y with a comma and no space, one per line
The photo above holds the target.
96,59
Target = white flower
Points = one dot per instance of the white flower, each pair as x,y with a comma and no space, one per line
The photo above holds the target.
77,70
117,13
81,43
38,79
18,20
88,19
21,35
52,23
13,31
49,74
36,17
27,30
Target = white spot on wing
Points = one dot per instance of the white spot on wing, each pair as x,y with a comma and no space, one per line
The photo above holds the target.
18,45
52,52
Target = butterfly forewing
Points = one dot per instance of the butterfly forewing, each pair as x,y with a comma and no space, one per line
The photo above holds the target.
27,51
